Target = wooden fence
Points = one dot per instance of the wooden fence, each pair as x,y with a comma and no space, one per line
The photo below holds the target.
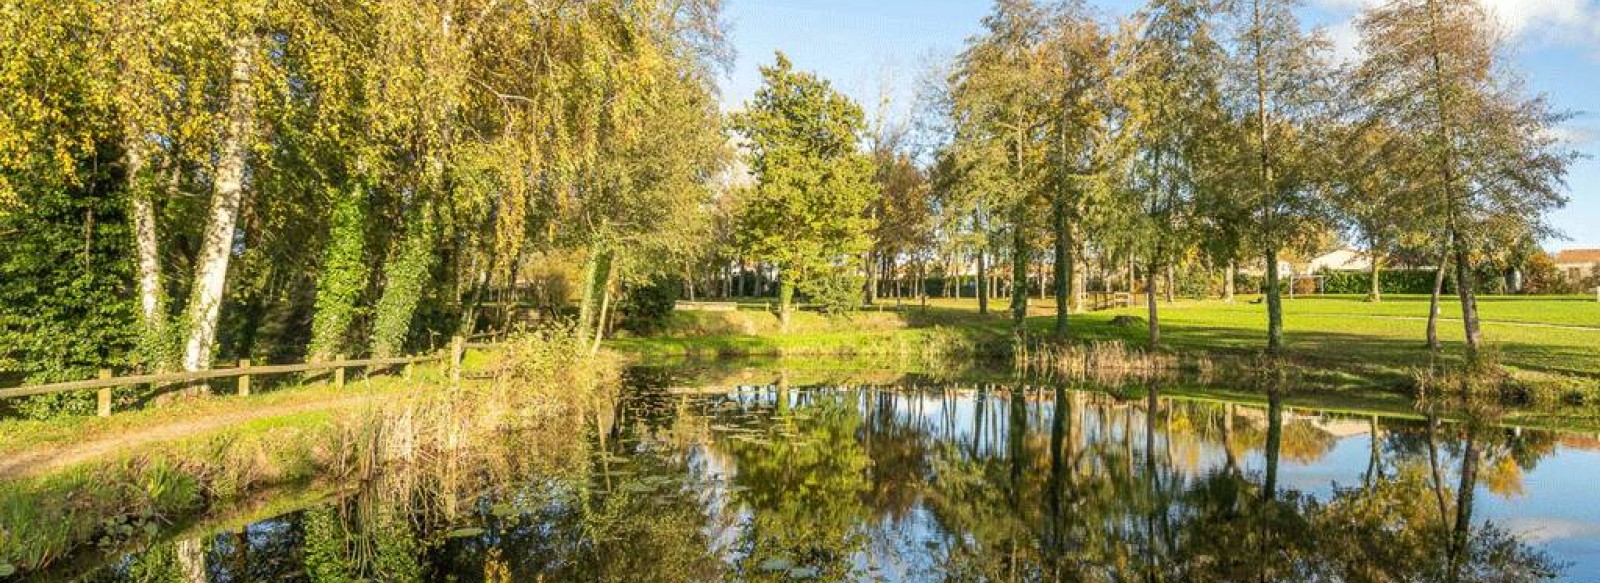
245,371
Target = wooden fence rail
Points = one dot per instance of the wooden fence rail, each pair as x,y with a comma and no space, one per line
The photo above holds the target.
245,371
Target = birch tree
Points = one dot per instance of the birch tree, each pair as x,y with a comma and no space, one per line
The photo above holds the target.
1436,70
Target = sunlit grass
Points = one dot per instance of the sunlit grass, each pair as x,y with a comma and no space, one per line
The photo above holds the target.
1551,340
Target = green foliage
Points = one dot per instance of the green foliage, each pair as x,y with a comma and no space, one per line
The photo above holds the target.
406,276
647,308
1390,282
835,293
807,214
344,276
63,280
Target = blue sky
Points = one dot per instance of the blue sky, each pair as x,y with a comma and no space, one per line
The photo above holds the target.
872,47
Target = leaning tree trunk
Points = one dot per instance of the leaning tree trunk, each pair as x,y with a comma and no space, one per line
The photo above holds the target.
1469,299
216,248
405,275
1433,303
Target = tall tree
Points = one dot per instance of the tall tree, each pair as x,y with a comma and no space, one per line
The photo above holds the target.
1180,108
1088,140
1436,70
807,214
998,98
1275,70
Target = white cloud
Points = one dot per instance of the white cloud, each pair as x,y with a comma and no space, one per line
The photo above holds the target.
1574,22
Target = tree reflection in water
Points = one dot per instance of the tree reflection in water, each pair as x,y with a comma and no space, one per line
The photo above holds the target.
942,482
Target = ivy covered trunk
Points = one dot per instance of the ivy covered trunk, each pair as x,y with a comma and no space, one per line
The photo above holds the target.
216,247
343,278
405,276
596,273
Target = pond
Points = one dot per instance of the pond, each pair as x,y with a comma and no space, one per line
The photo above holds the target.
772,478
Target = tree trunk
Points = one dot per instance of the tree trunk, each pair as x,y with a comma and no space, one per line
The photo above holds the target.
605,312
785,301
1229,276
1153,309
983,283
1274,304
152,299
1063,272
1172,284
1433,303
596,274
405,275
1019,270
1375,295
216,248
1469,299
872,278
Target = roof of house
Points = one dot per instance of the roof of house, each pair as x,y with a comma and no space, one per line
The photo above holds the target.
1578,256
1340,260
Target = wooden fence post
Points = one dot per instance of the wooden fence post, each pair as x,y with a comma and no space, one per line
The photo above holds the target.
244,380
338,373
105,394
410,368
458,348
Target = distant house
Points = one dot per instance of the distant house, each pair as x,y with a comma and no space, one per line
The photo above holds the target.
1340,260
1577,264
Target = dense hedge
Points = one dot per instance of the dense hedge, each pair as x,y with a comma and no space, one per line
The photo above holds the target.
1411,281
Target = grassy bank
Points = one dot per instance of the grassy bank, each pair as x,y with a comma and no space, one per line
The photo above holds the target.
1548,342
89,488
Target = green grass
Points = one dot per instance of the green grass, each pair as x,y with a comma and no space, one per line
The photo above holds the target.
1551,342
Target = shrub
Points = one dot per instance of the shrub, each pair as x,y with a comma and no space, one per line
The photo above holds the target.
837,293
647,308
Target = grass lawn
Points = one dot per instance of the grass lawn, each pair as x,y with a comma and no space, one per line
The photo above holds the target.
1548,340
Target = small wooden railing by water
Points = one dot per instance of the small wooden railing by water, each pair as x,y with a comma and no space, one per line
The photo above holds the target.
245,371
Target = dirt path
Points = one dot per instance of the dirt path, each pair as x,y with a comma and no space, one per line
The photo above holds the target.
48,458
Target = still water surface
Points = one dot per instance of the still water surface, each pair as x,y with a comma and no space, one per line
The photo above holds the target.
943,481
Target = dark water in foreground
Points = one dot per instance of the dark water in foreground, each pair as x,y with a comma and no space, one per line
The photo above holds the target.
959,482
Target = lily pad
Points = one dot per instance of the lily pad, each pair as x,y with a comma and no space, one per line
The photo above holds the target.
776,564
804,573
6,570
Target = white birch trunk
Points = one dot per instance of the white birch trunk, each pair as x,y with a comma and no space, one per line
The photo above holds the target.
211,265
151,308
